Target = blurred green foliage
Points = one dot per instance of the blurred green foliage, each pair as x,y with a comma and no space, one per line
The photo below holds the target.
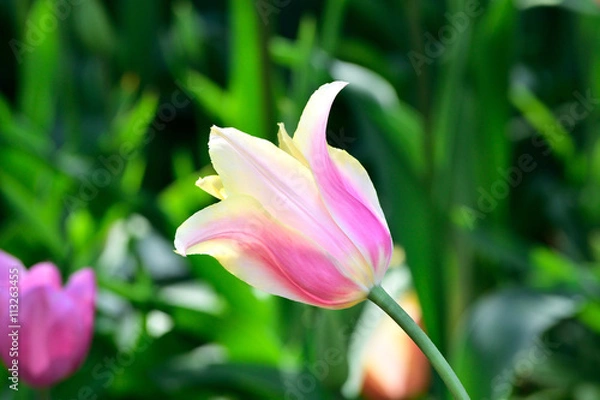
479,122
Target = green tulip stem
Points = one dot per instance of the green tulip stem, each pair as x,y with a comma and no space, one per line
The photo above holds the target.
382,299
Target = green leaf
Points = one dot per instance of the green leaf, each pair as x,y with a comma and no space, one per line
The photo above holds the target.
39,66
333,18
182,198
590,315
207,94
21,133
27,205
543,120
249,81
94,27
132,128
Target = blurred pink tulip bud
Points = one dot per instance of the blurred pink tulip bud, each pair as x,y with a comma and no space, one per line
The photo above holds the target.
301,220
394,367
45,329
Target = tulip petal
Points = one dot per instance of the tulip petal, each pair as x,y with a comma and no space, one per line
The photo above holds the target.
212,185
345,187
286,188
53,330
50,341
41,274
349,166
82,290
286,143
82,287
357,177
255,247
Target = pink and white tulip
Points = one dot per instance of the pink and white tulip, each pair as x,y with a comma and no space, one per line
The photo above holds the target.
52,325
301,220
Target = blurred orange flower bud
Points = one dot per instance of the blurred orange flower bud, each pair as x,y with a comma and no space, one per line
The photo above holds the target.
394,367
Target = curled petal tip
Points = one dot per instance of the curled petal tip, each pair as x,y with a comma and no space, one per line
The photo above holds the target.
179,246
179,251
342,83
213,185
216,130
